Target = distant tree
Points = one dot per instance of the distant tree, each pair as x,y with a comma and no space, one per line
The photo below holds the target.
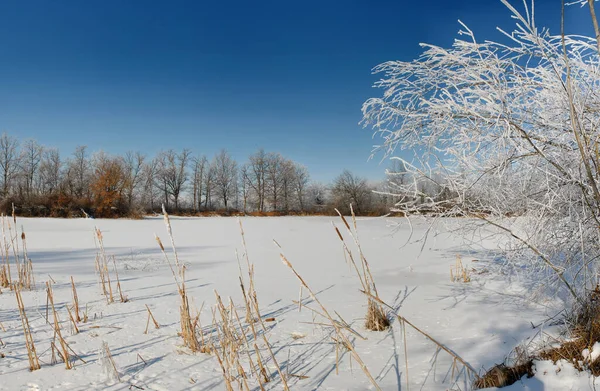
244,186
79,173
50,171
225,176
149,193
287,174
351,189
109,186
209,185
274,178
300,182
317,195
172,174
200,171
255,176
133,164
30,159
9,161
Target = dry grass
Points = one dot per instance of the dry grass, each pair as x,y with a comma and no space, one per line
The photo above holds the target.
123,298
584,332
458,273
457,360
108,363
150,316
502,375
340,327
102,267
26,278
242,349
9,248
188,330
239,341
64,351
75,301
34,362
376,318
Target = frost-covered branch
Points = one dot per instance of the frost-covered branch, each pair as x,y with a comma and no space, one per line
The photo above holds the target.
504,132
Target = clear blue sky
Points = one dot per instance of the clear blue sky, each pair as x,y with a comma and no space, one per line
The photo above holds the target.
289,76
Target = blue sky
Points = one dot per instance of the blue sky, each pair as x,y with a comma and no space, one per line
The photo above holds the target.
288,76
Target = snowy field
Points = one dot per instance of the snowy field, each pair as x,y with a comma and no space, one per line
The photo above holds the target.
482,320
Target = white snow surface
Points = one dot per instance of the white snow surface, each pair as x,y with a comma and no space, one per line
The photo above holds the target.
482,320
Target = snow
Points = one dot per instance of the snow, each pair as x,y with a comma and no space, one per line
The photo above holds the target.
550,377
594,354
482,320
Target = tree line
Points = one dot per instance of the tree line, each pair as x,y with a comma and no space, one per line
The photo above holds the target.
38,181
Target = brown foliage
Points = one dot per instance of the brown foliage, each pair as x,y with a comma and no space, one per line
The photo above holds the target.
108,188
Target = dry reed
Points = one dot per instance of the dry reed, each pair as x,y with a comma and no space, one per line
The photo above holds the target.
376,318
124,299
34,362
150,316
109,363
57,329
75,301
470,371
26,278
188,332
458,273
102,267
338,326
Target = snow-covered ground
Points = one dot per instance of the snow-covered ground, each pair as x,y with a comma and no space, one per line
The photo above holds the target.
481,320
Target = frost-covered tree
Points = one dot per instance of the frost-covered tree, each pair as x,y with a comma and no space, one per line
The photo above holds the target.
512,129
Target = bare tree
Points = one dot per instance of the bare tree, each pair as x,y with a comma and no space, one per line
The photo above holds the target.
50,171
31,156
351,189
317,195
255,176
244,187
300,182
209,185
133,163
148,175
274,178
287,183
172,174
9,161
79,173
225,176
200,171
